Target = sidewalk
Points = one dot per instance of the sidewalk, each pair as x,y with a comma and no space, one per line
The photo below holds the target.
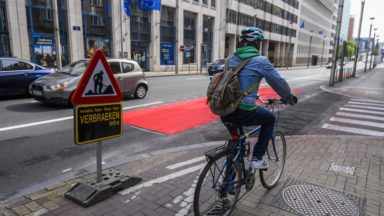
323,175
348,170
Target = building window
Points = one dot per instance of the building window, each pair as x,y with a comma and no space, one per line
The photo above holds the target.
167,36
197,1
98,3
213,3
189,37
205,2
4,37
208,23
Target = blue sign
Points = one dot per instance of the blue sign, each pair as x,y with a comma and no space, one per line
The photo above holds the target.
167,51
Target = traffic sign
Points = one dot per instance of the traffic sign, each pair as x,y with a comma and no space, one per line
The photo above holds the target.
98,85
97,122
181,48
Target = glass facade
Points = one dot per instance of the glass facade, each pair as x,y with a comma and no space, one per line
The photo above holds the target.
140,36
208,23
41,32
97,26
167,36
189,37
5,50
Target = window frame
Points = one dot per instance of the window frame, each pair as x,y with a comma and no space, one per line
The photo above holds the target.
16,60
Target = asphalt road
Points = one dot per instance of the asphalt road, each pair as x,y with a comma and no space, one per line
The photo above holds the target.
37,140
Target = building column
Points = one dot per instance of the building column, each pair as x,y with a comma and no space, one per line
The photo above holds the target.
199,39
264,48
18,29
75,37
154,48
180,36
120,28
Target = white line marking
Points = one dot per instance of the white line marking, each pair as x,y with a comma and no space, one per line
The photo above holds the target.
354,115
196,78
67,170
142,105
33,101
357,122
365,103
367,100
361,87
163,179
35,123
365,107
149,131
353,130
184,163
62,119
362,111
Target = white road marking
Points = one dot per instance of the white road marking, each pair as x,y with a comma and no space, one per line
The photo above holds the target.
196,78
365,103
357,122
367,100
63,119
365,107
353,130
33,101
362,111
67,170
354,115
184,163
149,131
163,179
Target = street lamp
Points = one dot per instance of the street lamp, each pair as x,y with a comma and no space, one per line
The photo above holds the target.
322,53
369,39
373,48
358,39
309,51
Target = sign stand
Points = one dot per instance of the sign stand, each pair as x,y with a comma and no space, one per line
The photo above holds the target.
98,116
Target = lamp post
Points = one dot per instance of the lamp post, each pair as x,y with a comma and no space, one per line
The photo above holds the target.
322,53
373,48
336,49
358,39
289,44
369,39
309,51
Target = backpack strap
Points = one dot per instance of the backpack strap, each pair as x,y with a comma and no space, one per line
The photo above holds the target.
250,89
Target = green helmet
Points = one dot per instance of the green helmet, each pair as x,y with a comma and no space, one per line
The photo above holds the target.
251,34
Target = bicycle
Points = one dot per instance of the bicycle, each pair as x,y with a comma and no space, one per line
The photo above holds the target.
219,184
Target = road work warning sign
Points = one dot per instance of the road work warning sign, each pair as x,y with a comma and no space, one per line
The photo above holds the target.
97,122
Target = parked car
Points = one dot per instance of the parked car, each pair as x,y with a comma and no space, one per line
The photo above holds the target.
216,67
17,74
329,65
58,88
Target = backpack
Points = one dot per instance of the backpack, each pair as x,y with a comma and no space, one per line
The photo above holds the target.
224,93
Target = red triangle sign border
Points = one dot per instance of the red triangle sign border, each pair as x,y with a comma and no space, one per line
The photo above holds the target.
78,98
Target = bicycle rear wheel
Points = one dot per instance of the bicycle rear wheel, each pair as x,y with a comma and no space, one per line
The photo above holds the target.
275,154
214,194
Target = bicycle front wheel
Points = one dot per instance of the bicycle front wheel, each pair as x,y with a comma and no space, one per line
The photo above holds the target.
217,188
275,156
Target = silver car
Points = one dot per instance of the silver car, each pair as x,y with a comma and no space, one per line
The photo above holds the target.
58,88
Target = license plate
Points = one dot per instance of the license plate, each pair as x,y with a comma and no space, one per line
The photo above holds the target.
37,92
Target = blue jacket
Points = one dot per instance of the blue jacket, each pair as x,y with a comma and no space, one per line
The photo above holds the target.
256,69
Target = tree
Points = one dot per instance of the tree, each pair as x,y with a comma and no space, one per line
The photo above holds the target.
377,49
351,49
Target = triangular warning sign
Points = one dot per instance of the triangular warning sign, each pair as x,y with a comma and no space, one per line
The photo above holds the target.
98,85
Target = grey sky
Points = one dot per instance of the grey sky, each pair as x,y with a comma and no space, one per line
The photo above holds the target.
372,8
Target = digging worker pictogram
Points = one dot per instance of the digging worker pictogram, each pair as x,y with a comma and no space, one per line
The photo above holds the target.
98,82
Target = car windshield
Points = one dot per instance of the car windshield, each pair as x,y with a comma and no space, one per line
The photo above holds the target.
219,61
75,69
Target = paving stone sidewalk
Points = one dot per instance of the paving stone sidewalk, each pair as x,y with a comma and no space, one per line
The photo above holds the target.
168,190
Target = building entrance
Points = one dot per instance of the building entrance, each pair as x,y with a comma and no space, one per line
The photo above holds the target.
140,54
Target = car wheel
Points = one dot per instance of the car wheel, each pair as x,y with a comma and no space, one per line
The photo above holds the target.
140,92
29,89
70,104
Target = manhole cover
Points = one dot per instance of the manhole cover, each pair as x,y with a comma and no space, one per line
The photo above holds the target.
315,200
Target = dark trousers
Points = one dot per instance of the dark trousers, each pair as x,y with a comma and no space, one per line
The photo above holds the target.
259,116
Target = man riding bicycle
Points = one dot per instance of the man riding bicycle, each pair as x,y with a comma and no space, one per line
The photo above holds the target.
248,114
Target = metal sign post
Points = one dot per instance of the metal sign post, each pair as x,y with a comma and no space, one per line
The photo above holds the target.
99,161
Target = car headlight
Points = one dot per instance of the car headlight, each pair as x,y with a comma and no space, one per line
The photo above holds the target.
57,87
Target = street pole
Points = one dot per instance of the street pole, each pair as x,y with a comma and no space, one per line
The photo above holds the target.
121,55
177,38
373,49
290,41
336,49
309,51
57,34
342,61
358,39
369,40
322,53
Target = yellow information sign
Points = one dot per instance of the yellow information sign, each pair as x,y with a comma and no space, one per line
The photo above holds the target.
95,122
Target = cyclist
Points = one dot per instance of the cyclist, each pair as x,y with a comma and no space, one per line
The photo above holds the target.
248,114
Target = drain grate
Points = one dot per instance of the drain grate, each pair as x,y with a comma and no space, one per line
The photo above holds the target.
308,199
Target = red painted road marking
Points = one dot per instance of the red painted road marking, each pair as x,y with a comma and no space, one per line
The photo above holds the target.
180,116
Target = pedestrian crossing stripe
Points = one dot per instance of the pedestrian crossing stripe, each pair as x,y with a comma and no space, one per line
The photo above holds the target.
365,107
362,111
357,122
367,100
365,103
354,115
353,130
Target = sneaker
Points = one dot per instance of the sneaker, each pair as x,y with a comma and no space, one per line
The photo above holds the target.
259,164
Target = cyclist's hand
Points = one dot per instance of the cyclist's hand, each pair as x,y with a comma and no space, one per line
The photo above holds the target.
295,99
292,100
